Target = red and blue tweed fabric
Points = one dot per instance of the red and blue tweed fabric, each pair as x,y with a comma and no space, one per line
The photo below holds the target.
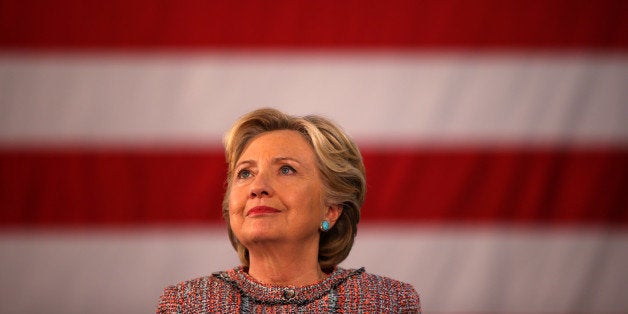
344,291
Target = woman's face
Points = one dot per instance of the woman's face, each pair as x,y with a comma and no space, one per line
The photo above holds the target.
276,191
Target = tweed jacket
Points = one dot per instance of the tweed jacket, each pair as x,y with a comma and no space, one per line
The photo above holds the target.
344,291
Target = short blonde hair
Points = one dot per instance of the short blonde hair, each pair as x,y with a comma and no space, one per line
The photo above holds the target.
340,165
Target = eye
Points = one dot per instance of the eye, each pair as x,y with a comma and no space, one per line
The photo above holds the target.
286,170
244,174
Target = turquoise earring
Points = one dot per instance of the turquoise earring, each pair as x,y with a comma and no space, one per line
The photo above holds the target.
325,225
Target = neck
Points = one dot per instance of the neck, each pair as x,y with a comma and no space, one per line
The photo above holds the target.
285,265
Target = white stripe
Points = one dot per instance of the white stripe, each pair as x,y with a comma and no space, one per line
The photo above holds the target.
377,97
455,269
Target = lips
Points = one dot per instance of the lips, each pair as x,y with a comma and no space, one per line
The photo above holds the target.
260,210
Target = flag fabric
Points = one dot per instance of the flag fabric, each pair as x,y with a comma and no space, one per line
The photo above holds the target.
494,136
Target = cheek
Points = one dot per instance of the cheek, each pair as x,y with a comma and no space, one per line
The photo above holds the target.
309,200
237,201
236,208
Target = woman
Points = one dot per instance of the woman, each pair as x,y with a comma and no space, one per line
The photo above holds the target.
294,190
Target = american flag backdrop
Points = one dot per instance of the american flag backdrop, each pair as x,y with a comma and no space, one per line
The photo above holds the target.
494,133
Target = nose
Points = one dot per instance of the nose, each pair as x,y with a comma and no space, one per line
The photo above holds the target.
261,187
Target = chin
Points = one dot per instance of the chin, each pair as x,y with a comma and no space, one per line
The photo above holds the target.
257,235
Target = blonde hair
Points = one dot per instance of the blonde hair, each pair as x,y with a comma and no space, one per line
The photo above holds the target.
340,165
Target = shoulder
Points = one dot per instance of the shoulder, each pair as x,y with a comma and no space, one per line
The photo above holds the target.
192,295
381,284
402,295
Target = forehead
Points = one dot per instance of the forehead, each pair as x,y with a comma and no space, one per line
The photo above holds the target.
281,143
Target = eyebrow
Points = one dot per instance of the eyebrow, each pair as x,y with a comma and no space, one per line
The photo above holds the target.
275,160
280,159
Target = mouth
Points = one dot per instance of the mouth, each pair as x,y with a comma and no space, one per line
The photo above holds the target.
261,210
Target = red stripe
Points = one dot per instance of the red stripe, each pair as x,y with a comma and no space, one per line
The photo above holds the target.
532,186
563,24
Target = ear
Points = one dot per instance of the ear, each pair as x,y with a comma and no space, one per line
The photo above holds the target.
333,213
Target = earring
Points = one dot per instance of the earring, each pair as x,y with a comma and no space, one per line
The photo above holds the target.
325,225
